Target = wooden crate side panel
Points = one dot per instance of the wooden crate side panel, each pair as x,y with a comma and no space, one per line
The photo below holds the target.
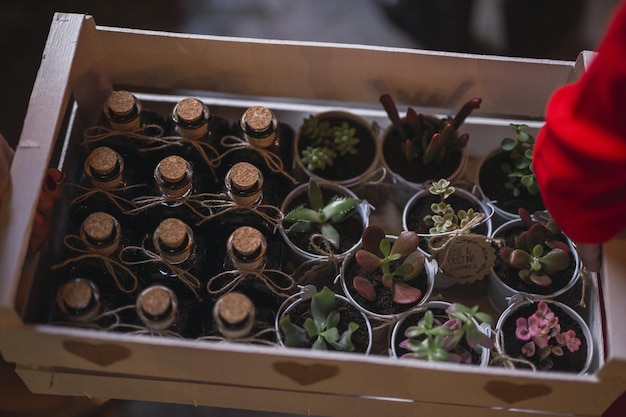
330,71
259,399
613,285
301,371
48,101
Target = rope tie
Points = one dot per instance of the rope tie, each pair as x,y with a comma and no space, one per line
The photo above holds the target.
262,276
501,358
198,145
86,252
273,161
221,204
95,134
254,338
111,194
183,275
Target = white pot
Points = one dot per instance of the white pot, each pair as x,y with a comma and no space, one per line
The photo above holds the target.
519,302
363,210
305,296
354,120
396,336
440,282
429,266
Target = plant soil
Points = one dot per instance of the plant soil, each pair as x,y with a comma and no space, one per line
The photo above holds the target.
384,303
421,208
347,166
440,314
492,180
415,171
510,276
350,230
569,362
347,313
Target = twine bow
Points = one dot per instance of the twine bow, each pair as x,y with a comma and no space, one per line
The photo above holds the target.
261,275
183,275
198,145
221,204
273,161
446,239
111,194
104,315
86,251
145,202
96,134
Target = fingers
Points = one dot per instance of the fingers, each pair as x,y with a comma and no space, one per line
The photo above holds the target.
590,255
6,156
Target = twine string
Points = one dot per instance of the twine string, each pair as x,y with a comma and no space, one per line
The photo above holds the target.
273,161
254,338
261,275
96,134
221,204
199,145
501,358
86,251
111,194
183,275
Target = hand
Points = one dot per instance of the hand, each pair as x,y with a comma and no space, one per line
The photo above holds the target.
50,192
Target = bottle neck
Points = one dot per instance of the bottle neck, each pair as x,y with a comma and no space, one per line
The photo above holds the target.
157,307
79,300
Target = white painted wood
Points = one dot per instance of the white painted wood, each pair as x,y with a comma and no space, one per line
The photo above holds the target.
321,71
240,397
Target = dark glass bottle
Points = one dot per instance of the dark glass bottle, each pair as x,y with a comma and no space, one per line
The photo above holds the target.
174,184
260,129
181,263
158,308
254,203
249,256
78,300
108,185
127,127
234,315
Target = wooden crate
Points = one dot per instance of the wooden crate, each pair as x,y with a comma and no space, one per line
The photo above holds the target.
83,62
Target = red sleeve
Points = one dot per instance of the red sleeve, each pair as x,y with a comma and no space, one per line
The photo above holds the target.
580,153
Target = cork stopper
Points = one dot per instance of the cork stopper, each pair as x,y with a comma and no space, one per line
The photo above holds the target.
189,110
244,175
173,168
121,103
99,226
156,301
103,160
246,240
172,232
235,308
258,118
77,294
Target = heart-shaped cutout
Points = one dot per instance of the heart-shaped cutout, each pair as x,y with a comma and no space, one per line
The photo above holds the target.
305,374
100,354
510,392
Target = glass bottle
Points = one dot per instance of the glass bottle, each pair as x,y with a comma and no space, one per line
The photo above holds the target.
234,315
248,255
125,122
159,308
78,300
260,128
107,184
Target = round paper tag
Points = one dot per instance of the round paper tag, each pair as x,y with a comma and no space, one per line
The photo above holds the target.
465,258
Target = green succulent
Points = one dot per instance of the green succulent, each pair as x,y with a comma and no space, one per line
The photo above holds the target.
444,218
520,172
322,215
320,330
437,338
325,142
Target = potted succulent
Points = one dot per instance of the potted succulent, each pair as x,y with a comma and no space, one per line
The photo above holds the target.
337,146
444,332
330,211
442,211
544,335
323,320
535,259
420,148
506,176
387,275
